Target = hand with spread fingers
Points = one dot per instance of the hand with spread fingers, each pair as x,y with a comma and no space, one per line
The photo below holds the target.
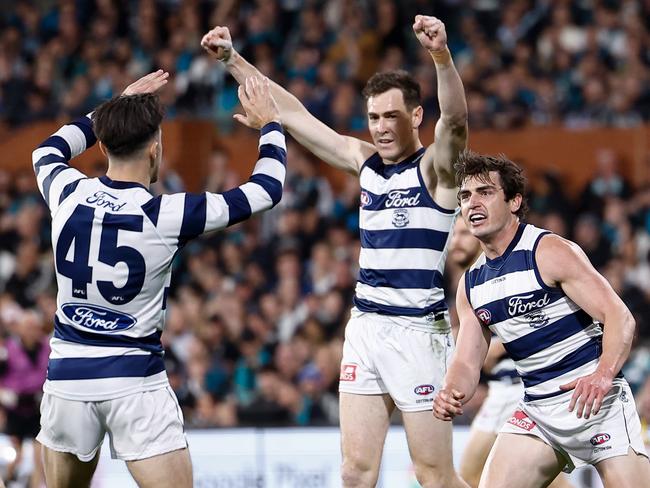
588,393
147,84
258,103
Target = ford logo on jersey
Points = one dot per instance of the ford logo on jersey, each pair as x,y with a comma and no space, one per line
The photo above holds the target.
96,318
423,390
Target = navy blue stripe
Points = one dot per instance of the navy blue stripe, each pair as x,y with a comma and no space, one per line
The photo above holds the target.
59,143
503,374
68,333
270,127
540,339
85,125
274,152
272,186
499,310
194,212
368,306
517,261
68,189
376,164
120,185
47,160
238,207
132,366
404,239
152,209
588,352
165,294
400,278
49,179
532,398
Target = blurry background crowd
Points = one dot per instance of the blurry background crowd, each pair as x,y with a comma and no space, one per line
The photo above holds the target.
574,62
256,314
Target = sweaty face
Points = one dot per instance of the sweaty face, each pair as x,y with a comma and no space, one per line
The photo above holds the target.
484,207
464,248
392,126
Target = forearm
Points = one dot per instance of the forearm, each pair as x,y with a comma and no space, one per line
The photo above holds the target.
240,69
462,377
617,341
451,93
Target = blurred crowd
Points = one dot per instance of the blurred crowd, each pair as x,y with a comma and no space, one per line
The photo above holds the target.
256,313
524,62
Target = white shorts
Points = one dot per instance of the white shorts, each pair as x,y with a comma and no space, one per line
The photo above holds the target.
502,400
139,426
380,356
582,441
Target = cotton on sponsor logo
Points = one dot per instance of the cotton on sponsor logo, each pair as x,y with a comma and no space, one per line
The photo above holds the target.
599,439
348,372
521,420
423,390
484,316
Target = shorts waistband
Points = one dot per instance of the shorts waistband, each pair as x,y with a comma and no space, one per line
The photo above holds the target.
437,323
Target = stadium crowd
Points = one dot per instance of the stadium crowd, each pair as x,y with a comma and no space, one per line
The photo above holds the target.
580,63
256,313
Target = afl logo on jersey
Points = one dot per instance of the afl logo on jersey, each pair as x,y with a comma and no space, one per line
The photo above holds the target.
96,318
365,199
424,390
484,316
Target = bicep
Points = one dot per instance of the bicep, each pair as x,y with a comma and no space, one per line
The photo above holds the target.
564,263
342,152
473,338
450,140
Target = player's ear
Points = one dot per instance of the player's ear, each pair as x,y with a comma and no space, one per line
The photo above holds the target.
103,149
515,203
416,116
153,151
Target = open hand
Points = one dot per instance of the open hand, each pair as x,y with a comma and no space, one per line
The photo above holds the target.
147,84
259,105
588,393
431,33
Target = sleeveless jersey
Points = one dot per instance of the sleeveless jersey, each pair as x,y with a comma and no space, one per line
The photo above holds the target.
113,246
404,239
550,338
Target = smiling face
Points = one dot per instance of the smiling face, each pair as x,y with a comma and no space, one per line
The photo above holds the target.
484,207
393,127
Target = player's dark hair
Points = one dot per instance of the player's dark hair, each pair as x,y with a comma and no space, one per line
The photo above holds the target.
513,180
400,79
126,124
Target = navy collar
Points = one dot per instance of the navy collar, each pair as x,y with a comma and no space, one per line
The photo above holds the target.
387,170
120,185
499,260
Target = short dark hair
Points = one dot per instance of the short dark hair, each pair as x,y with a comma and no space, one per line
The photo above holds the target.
125,124
400,79
513,180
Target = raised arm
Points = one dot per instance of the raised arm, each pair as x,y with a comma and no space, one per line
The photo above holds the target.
562,263
55,177
451,129
184,216
464,372
344,152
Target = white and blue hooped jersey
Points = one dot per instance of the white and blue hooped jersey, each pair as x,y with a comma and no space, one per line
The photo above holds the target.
404,239
113,246
550,338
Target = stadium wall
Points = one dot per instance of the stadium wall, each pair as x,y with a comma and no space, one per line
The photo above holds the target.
188,145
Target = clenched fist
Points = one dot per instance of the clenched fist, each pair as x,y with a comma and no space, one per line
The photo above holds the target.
218,43
431,33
